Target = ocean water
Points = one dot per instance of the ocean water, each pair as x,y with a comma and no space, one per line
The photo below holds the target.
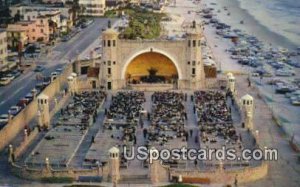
279,16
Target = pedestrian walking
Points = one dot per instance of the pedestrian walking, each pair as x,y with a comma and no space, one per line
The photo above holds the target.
191,132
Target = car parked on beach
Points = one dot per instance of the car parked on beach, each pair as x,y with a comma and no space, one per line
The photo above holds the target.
284,73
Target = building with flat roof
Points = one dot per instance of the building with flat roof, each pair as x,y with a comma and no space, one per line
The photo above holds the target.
25,32
28,13
16,37
3,49
93,7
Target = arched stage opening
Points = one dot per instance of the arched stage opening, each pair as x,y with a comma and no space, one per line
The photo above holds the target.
151,67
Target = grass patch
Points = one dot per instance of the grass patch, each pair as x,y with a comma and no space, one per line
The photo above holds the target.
110,14
179,185
83,185
57,179
143,24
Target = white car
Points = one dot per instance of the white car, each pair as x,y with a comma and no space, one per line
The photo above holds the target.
10,76
4,118
5,81
14,110
284,73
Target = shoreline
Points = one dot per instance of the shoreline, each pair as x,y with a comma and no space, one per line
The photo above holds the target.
251,25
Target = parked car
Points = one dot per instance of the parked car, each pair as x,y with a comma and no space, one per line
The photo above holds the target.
284,73
59,70
54,73
16,73
10,76
14,110
39,69
65,38
23,102
4,118
4,81
29,96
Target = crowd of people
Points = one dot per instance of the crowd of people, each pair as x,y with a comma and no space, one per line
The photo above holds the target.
126,106
211,107
214,117
168,117
82,107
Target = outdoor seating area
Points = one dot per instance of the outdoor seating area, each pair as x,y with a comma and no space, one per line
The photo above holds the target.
211,107
167,118
215,121
69,130
82,109
125,107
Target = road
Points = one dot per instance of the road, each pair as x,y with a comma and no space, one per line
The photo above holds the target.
58,57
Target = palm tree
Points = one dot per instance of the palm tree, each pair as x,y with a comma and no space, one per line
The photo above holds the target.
53,26
75,9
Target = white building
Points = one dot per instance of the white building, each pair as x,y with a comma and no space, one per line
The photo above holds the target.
93,7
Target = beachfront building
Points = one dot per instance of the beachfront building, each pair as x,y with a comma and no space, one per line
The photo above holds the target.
151,64
3,49
92,7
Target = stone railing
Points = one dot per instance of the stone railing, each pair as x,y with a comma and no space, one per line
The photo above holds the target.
152,87
47,172
19,150
247,174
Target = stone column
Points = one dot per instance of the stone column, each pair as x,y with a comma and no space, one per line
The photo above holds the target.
39,119
43,107
114,165
9,118
55,102
231,84
154,171
10,154
70,84
248,107
25,135
75,83
34,92
47,164
221,166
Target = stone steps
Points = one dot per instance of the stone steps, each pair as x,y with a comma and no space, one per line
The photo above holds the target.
135,179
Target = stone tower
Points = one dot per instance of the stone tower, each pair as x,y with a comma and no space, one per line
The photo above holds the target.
114,165
43,107
231,83
248,107
195,69
109,62
70,84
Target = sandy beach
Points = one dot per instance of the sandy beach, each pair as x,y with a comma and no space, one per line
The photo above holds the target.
251,25
277,104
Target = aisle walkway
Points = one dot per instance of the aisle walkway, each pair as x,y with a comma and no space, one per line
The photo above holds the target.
79,156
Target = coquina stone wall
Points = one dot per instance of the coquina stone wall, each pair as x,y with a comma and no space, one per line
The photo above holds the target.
14,126
247,174
38,174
